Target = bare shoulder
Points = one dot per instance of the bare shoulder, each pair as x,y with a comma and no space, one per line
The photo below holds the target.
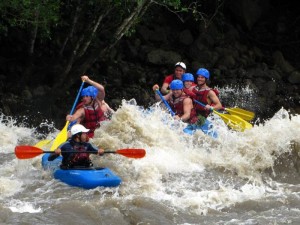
80,111
187,100
211,93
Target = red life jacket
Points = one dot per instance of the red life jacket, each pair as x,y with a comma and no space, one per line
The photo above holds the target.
189,92
177,106
201,96
92,118
80,105
80,157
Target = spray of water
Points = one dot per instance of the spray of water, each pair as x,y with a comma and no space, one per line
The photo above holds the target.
194,173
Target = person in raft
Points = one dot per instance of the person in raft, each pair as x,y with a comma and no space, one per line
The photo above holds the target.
179,70
93,108
77,143
203,93
179,102
188,83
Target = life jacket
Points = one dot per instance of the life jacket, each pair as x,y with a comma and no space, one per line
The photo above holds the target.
77,159
93,116
189,92
80,157
201,96
80,105
177,106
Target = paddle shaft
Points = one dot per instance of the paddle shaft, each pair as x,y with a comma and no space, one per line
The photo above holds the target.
63,134
200,103
73,152
165,102
76,100
77,152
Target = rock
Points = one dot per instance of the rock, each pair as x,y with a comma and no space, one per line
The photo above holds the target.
157,34
270,88
162,57
226,61
274,75
294,77
39,91
186,37
26,94
240,47
284,65
204,56
248,12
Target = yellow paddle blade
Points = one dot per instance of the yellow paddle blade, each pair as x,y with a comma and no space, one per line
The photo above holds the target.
42,143
241,122
234,122
61,137
242,113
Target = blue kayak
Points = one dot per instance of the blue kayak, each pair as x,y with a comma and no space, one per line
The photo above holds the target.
87,178
206,128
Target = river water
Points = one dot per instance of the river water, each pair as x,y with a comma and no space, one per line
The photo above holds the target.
249,177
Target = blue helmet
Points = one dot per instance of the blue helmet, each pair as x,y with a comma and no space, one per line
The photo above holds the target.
187,77
203,72
176,85
89,91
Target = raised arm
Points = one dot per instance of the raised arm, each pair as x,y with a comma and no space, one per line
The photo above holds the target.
101,90
164,88
166,97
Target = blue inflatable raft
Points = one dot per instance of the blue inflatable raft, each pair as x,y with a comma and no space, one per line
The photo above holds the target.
207,128
87,178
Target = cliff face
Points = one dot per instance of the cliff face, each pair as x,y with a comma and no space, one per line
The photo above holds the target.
253,45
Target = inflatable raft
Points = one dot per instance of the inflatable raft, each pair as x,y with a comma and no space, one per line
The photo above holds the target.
207,128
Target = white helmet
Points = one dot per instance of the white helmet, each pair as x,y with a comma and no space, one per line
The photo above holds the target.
181,64
78,128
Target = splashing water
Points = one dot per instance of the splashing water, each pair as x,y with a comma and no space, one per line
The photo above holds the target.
190,175
171,154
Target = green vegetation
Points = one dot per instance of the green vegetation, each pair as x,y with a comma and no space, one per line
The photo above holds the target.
63,38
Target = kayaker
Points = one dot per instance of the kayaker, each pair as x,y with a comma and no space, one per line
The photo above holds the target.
93,108
203,93
77,142
180,103
179,70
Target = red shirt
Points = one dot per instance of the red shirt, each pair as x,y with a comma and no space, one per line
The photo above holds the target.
169,78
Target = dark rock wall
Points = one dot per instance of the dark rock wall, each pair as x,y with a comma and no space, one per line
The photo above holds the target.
251,44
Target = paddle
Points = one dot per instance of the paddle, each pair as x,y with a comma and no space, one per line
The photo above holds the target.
244,114
42,143
165,102
63,134
232,121
28,152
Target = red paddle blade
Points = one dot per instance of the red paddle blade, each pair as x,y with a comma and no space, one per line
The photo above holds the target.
27,152
132,153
